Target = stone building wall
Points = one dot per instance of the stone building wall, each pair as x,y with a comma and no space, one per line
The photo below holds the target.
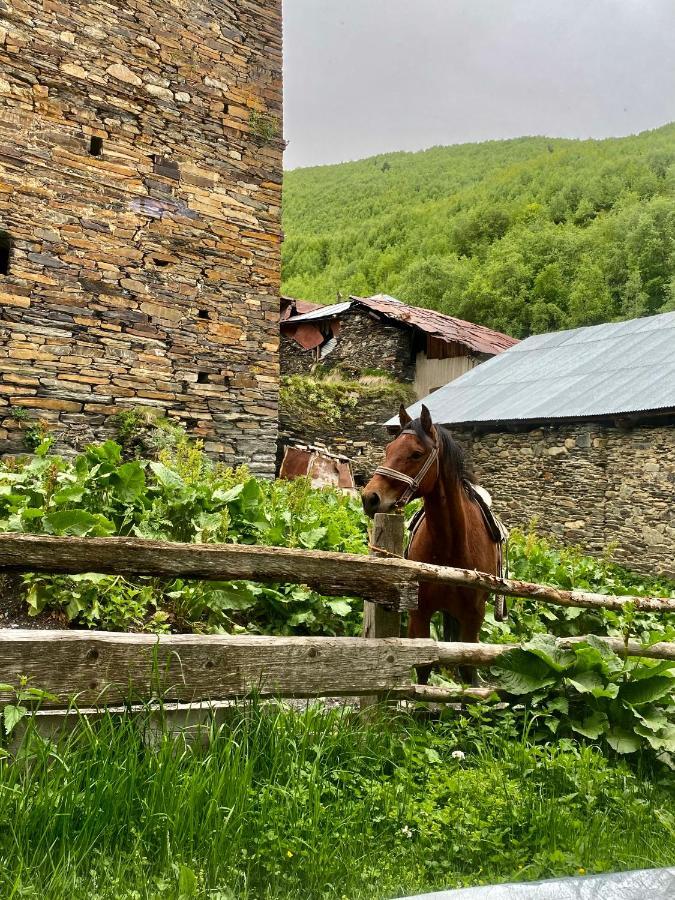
358,434
363,343
591,485
140,187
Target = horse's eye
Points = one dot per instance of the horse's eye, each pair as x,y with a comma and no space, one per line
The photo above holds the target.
417,455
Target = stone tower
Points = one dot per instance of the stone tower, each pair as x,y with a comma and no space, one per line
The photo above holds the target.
140,192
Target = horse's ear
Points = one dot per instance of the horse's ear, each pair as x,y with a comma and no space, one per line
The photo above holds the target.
425,421
403,416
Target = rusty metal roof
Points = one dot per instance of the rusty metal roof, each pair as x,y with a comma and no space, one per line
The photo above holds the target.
618,369
292,308
449,329
477,337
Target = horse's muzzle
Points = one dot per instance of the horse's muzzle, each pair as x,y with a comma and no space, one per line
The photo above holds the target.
371,503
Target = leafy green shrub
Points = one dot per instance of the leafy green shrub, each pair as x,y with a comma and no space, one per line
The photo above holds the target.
182,496
589,690
533,558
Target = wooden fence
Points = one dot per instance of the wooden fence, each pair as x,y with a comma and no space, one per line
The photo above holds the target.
102,668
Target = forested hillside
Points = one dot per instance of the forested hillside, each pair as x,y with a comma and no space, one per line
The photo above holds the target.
525,235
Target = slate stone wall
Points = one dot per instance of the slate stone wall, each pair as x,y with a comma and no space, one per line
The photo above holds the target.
360,436
140,186
363,343
592,485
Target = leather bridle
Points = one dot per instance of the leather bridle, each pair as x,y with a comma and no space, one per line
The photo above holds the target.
412,484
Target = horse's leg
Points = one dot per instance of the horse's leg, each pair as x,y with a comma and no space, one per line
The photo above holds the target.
450,627
419,626
469,631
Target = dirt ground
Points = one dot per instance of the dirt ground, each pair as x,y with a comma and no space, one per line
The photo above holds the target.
14,609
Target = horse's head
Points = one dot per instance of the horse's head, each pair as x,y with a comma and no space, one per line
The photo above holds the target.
410,466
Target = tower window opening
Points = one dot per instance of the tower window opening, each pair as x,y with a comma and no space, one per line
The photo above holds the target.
203,314
202,377
5,251
96,146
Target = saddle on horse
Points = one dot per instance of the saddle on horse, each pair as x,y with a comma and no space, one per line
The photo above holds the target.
496,529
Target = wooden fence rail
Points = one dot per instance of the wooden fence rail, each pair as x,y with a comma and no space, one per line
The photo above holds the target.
390,582
104,668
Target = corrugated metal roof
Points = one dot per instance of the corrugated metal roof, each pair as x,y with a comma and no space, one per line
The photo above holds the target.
602,370
446,328
290,307
324,312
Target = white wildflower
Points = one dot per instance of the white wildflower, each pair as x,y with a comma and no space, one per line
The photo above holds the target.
458,754
406,831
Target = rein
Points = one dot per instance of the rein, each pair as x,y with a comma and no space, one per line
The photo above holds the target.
412,483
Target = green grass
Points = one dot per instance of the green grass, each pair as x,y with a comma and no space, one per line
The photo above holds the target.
316,804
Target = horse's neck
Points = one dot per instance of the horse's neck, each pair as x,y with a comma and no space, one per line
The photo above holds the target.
445,511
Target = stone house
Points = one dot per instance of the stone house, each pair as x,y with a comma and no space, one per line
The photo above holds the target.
140,191
417,349
577,430
415,346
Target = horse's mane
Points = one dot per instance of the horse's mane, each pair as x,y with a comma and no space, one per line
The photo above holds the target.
452,457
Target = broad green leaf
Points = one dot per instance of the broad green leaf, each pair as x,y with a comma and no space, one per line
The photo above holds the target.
339,607
660,740
651,717
12,715
592,683
311,539
228,496
591,727
72,493
109,452
187,883
623,741
166,476
234,596
594,654
75,607
30,514
646,670
546,647
78,523
667,738
129,481
558,704
521,672
646,691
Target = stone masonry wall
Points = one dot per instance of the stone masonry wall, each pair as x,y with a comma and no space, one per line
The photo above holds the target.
590,485
361,436
363,343
140,186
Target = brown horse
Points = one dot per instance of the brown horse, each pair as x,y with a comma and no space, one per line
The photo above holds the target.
424,461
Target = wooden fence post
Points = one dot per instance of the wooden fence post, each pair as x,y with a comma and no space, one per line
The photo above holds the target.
387,534
379,622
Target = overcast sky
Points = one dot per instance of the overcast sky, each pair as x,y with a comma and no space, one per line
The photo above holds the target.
367,76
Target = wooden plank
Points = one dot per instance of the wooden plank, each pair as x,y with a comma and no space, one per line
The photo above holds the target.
378,580
334,574
108,668
455,654
429,693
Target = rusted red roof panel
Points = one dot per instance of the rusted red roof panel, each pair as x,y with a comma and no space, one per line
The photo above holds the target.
477,337
291,307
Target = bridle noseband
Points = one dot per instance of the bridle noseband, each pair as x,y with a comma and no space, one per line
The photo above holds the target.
413,484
